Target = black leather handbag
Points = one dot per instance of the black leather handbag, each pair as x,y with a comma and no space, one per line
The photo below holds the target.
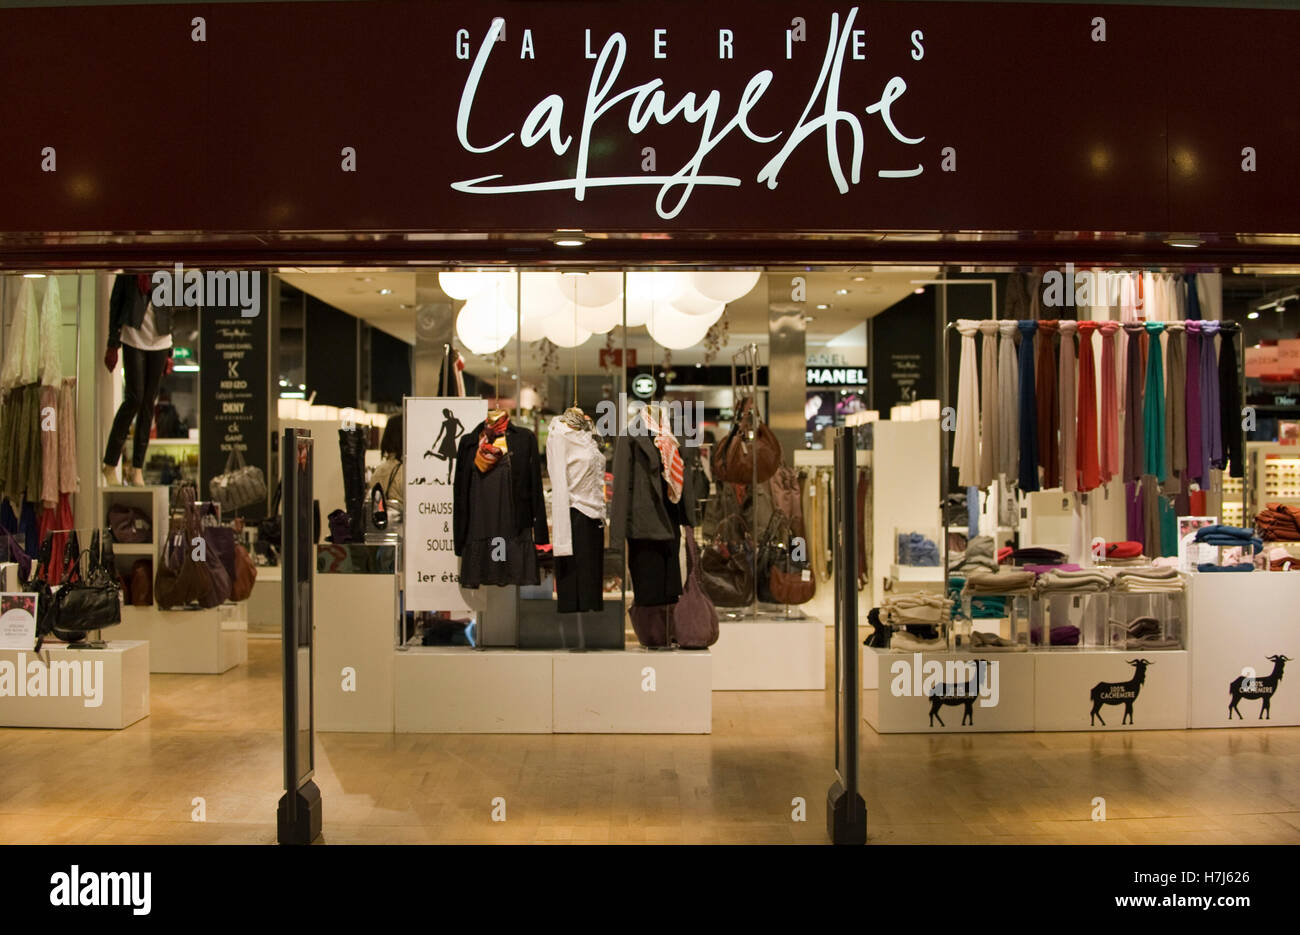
88,600
727,565
38,584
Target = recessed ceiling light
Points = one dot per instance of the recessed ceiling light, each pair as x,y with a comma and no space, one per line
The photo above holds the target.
33,275
823,306
841,291
365,279
385,291
859,278
919,290
1189,243
565,237
1252,315
697,366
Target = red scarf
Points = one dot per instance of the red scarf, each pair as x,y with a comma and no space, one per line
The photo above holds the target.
142,283
670,457
488,454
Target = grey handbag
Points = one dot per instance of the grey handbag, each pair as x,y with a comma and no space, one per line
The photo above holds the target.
239,486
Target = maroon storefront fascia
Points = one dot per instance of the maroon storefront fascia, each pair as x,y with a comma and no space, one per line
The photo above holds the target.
339,133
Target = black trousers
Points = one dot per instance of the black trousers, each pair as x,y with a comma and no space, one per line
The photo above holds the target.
143,372
579,578
655,569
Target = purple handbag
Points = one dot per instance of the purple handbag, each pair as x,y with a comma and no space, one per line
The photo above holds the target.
129,523
10,551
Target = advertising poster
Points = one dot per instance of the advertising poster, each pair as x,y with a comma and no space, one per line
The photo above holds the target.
17,621
434,427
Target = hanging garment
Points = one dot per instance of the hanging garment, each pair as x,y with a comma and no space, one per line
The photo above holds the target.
1109,454
1193,298
68,479
1211,427
1197,469
1209,288
23,342
1175,406
1028,473
51,334
988,402
1153,406
1008,401
1089,460
1018,302
1066,396
576,467
1230,398
1151,499
965,446
1134,451
49,409
1049,416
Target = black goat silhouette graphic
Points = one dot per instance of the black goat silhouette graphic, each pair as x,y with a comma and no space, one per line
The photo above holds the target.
1124,693
961,693
1261,687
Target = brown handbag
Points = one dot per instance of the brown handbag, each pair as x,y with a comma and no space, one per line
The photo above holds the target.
750,452
695,619
141,583
786,487
245,575
180,580
789,584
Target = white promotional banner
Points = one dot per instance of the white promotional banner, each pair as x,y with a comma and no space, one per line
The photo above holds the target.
434,427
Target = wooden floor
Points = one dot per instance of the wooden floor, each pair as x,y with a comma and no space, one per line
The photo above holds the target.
218,738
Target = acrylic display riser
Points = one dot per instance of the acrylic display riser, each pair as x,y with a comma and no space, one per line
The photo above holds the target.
770,654
120,673
206,641
508,691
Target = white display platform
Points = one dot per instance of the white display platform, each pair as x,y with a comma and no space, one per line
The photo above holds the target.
1237,622
899,700
196,642
770,655
461,690
454,689
78,688
634,692
266,603
1066,678
353,653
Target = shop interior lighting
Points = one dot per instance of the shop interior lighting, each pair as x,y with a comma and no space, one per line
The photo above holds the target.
33,275
186,368
1187,243
1252,315
385,291
1279,303
568,238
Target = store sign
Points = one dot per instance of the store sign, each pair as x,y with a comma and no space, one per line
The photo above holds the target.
434,428
835,376
658,117
182,353
234,354
644,385
564,124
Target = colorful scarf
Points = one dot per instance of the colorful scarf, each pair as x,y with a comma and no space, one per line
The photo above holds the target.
669,456
488,454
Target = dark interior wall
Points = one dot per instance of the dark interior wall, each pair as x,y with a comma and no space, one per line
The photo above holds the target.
390,368
331,339
902,350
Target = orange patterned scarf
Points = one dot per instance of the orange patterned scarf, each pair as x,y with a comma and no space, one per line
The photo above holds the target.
488,454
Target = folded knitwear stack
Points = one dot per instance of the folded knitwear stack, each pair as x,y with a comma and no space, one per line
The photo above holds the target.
1151,579
1033,555
1144,633
915,608
1279,559
1239,567
1083,581
1279,523
998,582
1230,537
916,550
980,555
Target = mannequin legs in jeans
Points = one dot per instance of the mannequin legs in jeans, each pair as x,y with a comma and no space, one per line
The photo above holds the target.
143,372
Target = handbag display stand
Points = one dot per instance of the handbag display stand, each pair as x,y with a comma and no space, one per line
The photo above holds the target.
758,650
202,642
